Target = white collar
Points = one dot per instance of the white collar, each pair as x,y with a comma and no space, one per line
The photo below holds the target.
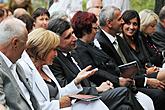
109,36
7,60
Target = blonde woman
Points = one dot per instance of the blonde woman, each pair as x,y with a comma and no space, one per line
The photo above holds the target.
148,21
41,47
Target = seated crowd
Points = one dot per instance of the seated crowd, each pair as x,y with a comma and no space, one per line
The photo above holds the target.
48,57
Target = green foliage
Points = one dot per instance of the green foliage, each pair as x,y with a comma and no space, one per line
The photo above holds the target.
139,5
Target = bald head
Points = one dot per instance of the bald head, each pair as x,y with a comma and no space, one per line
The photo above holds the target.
19,11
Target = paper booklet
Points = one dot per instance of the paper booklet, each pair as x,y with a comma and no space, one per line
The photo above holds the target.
129,70
84,97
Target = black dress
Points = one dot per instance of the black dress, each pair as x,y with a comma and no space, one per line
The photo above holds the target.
153,52
53,90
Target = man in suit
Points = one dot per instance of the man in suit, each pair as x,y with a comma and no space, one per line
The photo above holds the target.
158,36
65,70
115,46
15,94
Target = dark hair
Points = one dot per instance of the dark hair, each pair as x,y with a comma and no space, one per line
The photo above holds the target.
130,14
28,20
58,25
2,12
39,12
82,23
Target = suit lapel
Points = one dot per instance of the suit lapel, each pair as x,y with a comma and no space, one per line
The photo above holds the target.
50,75
10,75
108,47
72,68
34,76
22,77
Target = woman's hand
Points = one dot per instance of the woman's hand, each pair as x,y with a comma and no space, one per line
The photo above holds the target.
65,101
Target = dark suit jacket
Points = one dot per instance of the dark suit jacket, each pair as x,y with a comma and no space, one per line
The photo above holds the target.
108,48
90,55
158,37
11,95
65,72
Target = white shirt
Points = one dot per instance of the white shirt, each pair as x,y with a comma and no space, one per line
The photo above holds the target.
74,61
20,83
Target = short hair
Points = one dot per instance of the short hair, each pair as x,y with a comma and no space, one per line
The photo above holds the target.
39,12
59,25
40,42
59,14
162,13
11,27
82,23
28,20
146,17
107,13
19,11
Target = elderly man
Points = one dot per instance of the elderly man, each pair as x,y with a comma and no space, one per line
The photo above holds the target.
15,92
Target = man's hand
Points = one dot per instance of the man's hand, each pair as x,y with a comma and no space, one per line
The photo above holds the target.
85,73
154,83
105,86
152,69
65,101
124,82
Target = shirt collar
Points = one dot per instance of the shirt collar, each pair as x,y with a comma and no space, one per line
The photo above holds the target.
65,54
109,36
7,61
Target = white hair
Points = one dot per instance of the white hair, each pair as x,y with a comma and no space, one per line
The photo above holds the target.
11,27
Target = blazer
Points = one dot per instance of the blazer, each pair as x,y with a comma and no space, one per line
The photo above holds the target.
39,86
90,55
158,37
108,48
65,72
11,95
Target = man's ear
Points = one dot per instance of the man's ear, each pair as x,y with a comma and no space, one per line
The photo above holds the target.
14,42
163,22
109,23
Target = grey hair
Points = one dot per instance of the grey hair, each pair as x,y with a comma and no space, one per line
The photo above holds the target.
162,13
11,27
58,14
107,13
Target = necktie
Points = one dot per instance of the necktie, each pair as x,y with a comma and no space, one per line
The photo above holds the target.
69,57
115,43
73,61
